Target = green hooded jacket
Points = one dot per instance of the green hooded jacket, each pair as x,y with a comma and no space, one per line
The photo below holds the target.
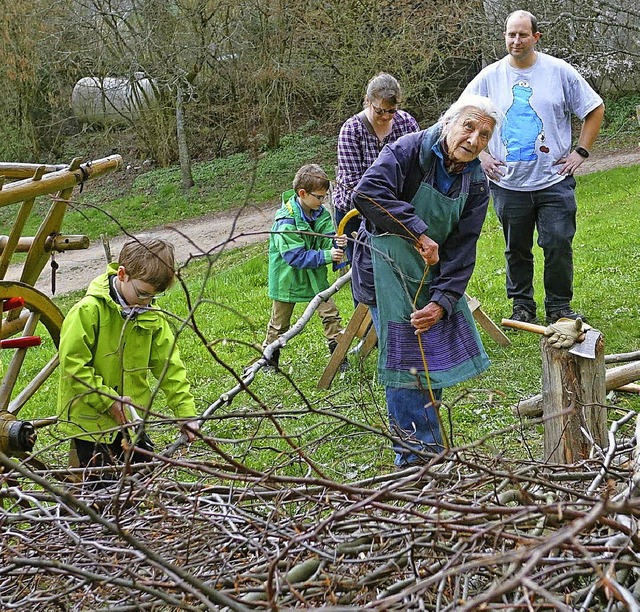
104,356
298,261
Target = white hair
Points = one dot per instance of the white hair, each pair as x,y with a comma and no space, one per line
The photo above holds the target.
483,104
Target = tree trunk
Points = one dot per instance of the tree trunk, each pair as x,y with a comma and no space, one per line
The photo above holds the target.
183,147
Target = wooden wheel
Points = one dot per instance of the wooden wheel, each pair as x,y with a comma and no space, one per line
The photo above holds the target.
18,328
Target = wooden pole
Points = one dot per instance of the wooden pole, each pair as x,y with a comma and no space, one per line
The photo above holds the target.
573,398
72,175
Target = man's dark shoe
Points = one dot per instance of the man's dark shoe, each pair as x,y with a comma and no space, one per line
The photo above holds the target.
564,313
523,314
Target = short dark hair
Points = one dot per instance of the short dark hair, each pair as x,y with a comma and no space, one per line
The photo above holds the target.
531,16
150,260
310,177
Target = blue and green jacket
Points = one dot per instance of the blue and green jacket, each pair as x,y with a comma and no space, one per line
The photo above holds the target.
299,251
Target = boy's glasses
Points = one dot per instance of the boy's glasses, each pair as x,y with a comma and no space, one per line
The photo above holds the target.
382,111
143,295
320,198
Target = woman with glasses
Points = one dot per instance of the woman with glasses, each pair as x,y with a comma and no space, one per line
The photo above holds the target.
361,140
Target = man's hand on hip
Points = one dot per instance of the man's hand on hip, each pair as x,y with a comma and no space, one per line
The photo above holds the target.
570,163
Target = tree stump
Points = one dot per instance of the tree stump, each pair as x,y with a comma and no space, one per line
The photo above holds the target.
573,399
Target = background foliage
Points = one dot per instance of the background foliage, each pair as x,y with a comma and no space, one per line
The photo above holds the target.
249,71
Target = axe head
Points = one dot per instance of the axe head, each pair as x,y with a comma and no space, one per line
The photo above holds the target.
587,347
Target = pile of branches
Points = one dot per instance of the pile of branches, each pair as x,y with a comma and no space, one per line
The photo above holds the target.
469,530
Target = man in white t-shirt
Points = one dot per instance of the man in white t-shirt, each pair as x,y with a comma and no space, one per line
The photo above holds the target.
530,163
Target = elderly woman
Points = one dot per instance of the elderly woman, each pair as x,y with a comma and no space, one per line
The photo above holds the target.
425,199
362,138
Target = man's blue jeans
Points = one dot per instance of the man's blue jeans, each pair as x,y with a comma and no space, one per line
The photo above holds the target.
553,212
415,422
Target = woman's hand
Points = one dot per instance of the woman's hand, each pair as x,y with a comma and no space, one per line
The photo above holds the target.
428,250
426,317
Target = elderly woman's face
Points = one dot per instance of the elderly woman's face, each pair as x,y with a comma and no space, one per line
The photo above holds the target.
469,135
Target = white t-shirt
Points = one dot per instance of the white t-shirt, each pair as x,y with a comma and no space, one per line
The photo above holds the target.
538,103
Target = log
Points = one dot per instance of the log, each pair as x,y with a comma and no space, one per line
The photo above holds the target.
630,388
57,243
24,171
71,176
578,384
622,357
614,378
622,375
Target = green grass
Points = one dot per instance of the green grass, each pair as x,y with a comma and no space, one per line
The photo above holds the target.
156,198
620,129
232,310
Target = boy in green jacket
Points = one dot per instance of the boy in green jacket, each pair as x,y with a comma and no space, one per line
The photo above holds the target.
301,245
109,342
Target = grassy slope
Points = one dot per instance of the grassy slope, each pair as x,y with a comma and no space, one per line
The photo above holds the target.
233,310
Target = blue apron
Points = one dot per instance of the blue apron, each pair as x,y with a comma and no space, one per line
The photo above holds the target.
452,347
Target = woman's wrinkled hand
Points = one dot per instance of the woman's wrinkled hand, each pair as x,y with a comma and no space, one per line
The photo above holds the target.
426,317
428,250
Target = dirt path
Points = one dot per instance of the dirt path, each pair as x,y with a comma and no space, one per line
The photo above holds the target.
212,233
228,229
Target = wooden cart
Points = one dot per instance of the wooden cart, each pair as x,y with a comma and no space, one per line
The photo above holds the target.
24,306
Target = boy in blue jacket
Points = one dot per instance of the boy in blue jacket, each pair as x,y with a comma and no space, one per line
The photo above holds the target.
301,245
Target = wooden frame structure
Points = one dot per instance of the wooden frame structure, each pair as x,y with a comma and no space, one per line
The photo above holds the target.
23,305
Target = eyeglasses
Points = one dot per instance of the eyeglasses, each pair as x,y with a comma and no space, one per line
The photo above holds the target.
382,111
320,198
143,295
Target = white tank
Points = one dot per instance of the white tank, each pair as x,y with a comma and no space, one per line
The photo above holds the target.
111,100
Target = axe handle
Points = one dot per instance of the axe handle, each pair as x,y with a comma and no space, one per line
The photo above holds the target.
530,327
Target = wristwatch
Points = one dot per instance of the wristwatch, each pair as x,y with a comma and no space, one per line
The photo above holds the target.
582,152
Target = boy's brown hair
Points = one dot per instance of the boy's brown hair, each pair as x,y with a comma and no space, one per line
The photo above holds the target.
310,177
150,260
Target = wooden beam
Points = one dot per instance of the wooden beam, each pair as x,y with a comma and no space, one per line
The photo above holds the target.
359,321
